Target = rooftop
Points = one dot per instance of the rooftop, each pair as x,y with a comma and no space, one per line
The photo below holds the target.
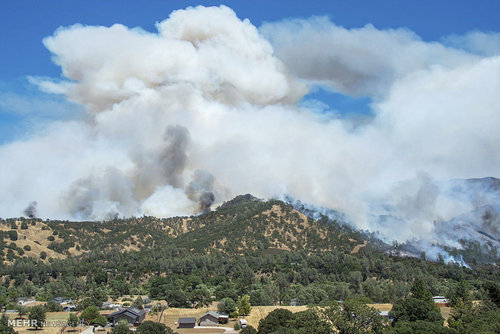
186,320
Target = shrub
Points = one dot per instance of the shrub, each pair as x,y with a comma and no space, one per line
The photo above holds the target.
27,248
248,330
13,235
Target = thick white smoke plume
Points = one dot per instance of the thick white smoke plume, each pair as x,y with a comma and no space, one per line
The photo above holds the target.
207,108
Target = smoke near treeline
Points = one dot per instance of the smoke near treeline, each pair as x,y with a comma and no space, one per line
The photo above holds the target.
211,107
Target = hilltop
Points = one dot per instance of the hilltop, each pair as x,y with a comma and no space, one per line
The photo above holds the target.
239,226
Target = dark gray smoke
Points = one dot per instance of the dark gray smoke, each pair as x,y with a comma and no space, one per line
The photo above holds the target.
200,190
116,194
31,211
174,158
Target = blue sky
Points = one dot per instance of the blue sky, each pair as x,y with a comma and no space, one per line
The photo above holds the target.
25,23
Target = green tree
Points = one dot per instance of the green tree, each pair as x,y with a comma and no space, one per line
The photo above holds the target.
353,317
176,298
90,313
3,301
4,326
244,306
12,294
121,328
21,311
100,320
274,320
201,296
150,327
494,292
309,322
460,293
37,316
248,330
462,308
138,303
226,306
418,306
420,291
73,320
52,306
421,327
13,235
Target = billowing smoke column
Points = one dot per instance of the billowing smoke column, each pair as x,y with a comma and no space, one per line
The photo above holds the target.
209,108
200,190
30,210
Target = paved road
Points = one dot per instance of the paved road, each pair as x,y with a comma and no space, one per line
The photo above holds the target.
89,330
228,330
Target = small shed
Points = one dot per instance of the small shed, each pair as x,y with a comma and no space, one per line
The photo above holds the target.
186,322
210,318
223,318
441,300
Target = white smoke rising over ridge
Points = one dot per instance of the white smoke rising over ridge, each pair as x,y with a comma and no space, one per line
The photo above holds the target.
206,109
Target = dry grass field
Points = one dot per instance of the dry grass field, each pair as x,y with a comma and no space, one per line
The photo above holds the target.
51,316
170,317
260,312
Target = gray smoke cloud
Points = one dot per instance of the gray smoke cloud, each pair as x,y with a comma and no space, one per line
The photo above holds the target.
207,108
174,156
200,190
30,210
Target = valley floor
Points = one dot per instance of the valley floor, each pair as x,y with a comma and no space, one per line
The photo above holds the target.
171,315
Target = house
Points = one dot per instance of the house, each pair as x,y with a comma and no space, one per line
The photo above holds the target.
24,301
186,322
223,318
243,323
441,300
210,318
61,300
110,306
69,307
58,300
132,315
385,315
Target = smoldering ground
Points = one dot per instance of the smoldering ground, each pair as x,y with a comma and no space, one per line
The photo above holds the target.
208,108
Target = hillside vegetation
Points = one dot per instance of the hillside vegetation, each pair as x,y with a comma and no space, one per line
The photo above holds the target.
264,249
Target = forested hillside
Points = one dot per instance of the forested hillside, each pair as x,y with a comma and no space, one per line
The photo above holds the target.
265,249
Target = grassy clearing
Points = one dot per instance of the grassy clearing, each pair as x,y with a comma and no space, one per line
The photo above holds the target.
381,307
51,316
260,312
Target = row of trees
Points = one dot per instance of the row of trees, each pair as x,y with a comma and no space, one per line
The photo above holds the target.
414,314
